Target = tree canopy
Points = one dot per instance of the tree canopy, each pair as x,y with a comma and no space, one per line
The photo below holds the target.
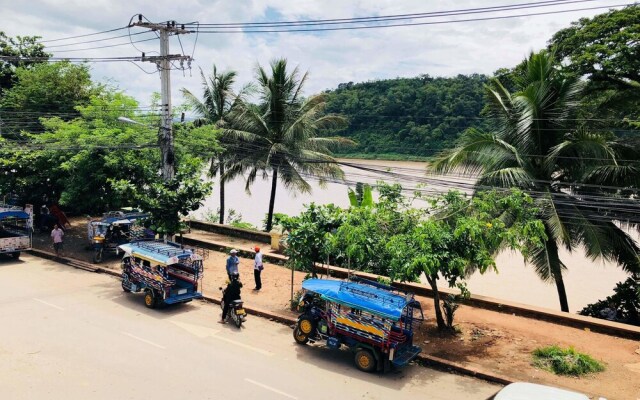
407,116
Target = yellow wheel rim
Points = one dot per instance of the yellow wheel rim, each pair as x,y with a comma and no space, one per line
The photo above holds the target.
363,361
300,336
148,299
305,326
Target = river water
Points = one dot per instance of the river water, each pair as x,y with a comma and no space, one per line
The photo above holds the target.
586,281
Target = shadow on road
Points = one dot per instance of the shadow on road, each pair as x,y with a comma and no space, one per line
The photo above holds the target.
342,362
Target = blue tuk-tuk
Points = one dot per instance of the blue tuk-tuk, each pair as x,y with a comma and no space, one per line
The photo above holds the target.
16,229
375,321
116,228
166,272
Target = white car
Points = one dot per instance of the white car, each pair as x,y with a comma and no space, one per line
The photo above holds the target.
532,391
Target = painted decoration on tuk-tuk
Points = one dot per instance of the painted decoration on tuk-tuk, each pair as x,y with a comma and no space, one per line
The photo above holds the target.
375,321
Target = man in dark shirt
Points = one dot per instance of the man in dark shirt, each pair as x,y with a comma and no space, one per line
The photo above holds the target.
231,293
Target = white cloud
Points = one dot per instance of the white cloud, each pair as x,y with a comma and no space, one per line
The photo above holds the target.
331,57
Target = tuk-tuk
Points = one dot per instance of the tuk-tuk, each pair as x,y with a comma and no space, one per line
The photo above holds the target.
373,320
116,228
16,229
167,273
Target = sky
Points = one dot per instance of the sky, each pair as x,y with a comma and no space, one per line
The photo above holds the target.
329,57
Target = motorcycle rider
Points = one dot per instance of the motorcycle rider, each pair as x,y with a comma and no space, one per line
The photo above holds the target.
231,293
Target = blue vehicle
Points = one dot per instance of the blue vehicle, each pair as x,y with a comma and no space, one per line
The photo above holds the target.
16,229
165,272
113,229
373,320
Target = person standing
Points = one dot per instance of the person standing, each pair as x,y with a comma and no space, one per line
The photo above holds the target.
57,235
258,266
232,264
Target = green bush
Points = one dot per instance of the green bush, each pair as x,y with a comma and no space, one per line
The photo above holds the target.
565,361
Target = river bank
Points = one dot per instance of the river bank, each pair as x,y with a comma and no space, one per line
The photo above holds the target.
586,281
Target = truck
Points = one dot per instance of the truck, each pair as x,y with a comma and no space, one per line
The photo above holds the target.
16,229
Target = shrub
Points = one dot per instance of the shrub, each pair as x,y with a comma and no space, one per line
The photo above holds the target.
623,306
565,361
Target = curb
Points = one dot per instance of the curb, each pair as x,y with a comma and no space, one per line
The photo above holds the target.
430,361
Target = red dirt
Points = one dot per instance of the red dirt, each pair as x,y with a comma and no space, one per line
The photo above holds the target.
487,340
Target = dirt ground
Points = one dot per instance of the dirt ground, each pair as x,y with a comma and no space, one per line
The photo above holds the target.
488,340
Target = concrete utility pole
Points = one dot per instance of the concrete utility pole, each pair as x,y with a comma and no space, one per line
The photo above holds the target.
163,62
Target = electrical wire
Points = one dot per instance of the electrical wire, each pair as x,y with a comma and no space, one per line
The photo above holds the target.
413,23
81,36
384,18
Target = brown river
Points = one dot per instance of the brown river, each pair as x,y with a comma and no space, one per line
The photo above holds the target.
586,281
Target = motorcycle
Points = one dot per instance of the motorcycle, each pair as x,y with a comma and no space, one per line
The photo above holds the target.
236,313
311,324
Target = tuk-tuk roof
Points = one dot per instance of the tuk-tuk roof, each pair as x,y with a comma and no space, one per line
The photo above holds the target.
159,252
123,219
14,214
361,296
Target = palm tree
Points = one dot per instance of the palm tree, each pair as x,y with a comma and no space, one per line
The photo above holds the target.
572,173
217,101
280,134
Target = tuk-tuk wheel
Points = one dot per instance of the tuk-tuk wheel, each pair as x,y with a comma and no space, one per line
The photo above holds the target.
97,256
365,361
16,255
300,337
305,325
150,298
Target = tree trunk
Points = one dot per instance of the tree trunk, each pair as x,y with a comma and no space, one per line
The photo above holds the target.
562,293
436,301
556,271
272,200
220,160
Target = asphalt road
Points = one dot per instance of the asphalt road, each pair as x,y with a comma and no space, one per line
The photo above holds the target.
71,334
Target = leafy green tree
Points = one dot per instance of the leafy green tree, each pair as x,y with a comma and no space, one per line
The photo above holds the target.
45,90
605,50
307,238
537,146
605,47
280,135
464,236
217,101
18,48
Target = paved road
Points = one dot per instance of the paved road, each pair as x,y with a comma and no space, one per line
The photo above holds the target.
71,334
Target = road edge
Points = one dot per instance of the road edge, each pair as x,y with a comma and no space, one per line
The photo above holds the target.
423,360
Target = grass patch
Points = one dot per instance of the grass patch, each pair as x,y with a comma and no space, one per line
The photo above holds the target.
565,361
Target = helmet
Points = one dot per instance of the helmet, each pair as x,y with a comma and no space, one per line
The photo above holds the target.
234,251
257,249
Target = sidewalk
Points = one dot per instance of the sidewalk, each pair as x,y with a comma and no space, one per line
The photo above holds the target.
498,343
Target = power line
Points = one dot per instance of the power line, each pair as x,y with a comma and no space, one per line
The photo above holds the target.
81,36
414,23
96,40
360,20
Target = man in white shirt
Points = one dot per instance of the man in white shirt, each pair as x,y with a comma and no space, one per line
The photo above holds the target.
257,268
57,234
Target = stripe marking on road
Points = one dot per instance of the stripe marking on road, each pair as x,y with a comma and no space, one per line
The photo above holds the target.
246,346
262,385
49,304
144,340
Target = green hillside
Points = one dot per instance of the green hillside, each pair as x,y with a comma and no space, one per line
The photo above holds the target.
407,117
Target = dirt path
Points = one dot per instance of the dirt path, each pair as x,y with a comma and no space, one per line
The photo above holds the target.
488,340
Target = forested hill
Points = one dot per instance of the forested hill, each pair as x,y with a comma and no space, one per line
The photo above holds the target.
407,116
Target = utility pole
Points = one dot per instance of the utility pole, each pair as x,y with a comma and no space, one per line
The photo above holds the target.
163,62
